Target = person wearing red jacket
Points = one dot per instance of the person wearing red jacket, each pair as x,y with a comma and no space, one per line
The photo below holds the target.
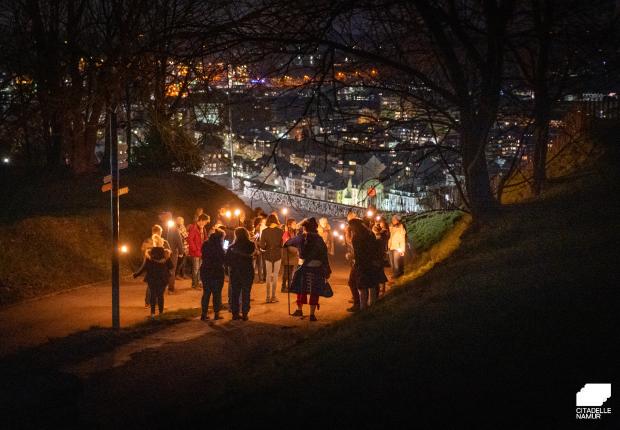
196,237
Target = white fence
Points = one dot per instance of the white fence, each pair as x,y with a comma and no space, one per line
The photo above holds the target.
301,204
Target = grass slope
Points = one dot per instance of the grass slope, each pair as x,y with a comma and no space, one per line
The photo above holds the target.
503,333
55,231
428,228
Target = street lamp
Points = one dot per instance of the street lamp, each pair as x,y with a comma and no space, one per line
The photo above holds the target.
124,249
170,223
6,160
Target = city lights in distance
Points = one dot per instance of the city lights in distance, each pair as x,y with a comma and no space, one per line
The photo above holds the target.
6,160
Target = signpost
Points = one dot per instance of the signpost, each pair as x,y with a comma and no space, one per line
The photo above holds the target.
114,209
111,183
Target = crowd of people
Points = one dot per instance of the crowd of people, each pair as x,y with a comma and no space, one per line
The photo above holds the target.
257,249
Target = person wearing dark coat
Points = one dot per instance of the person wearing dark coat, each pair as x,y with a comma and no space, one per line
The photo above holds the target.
173,237
312,275
212,273
290,255
157,266
239,258
367,271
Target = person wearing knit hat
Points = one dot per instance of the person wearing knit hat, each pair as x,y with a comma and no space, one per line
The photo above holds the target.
311,277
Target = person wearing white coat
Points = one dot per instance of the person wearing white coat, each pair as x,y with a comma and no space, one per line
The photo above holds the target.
397,245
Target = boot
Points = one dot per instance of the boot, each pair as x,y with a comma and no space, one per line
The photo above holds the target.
216,316
298,313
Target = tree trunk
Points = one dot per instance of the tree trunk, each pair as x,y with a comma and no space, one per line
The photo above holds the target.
542,114
54,145
106,142
128,121
481,201
84,160
84,151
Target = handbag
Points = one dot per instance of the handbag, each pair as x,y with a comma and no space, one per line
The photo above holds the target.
327,290
295,286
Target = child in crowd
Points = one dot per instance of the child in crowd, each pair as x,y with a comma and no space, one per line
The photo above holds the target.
157,266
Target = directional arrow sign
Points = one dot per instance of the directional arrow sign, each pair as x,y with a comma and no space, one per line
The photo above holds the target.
123,190
107,179
106,187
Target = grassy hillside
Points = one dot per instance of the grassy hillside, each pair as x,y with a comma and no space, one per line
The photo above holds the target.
428,228
55,232
503,333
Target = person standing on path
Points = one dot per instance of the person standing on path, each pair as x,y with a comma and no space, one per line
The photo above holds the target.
196,237
311,277
397,245
355,295
325,231
241,272
367,271
212,273
271,245
180,271
259,262
290,255
171,234
157,266
382,234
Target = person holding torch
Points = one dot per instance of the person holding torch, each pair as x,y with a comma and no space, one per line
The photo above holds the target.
397,245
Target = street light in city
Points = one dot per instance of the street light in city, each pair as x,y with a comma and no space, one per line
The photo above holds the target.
124,249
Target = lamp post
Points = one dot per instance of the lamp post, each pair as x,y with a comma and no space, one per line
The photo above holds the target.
229,134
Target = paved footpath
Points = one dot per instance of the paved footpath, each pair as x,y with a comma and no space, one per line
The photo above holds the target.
190,362
34,322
